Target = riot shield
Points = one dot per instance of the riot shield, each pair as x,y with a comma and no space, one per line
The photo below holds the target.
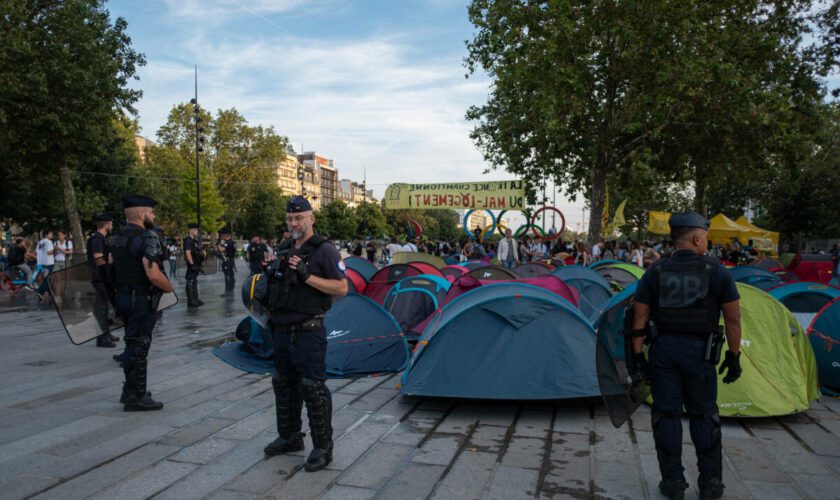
622,391
85,307
254,289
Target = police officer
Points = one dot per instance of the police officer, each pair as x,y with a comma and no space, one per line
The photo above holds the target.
139,284
683,296
193,255
310,271
257,252
99,257
227,250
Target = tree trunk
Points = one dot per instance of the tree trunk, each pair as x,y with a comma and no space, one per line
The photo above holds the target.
70,203
596,201
699,193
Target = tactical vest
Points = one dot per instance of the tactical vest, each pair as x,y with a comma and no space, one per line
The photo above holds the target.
106,246
287,295
128,267
684,305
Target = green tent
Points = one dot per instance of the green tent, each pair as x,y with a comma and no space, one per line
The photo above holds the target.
409,257
780,371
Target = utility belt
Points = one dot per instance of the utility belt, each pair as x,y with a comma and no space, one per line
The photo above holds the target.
309,324
713,340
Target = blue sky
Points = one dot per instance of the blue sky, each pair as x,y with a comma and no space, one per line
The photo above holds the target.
376,84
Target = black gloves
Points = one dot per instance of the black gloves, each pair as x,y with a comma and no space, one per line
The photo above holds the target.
732,362
302,271
641,367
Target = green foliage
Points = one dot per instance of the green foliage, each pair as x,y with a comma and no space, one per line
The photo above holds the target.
436,224
336,221
370,220
212,205
64,70
265,215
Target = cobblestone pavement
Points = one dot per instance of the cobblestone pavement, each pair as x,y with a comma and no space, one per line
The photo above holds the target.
64,435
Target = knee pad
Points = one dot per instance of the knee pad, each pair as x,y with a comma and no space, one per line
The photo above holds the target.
282,384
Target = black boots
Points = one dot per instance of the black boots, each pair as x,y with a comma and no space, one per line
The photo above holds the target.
104,340
319,407
674,488
287,405
192,293
135,359
711,488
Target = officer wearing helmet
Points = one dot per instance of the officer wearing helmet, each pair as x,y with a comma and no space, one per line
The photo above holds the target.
677,306
140,281
301,280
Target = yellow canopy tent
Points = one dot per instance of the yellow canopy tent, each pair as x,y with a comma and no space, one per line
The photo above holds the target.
722,229
757,232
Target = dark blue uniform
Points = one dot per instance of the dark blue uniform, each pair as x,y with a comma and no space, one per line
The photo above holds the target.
228,261
300,348
102,286
191,286
685,293
136,306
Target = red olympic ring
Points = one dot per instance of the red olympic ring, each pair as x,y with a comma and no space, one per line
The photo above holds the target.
544,236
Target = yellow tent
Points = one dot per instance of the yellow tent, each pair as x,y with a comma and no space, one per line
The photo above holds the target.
722,229
757,232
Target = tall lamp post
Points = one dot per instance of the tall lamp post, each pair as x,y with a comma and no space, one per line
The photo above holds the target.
199,148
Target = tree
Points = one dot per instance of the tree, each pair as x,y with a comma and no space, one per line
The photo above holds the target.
64,69
705,93
165,175
370,220
336,221
265,215
212,205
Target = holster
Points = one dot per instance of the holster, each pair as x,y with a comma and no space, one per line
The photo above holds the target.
714,346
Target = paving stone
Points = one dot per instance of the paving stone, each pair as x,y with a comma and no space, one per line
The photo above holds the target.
14,428
730,429
360,386
231,495
204,451
572,419
26,485
498,413
434,404
341,492
569,468
198,431
251,426
374,399
265,474
772,491
413,482
821,441
468,476
409,433
376,466
788,453
303,485
458,420
751,461
149,481
438,450
244,409
617,480
352,446
345,419
512,482
489,438
533,423
49,438
248,390
526,453
817,487
611,444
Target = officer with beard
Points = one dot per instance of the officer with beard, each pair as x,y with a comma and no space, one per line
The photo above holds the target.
308,273
139,282
227,250
678,304
193,255
99,257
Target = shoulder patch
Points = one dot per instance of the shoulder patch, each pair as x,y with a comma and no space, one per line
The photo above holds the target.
341,266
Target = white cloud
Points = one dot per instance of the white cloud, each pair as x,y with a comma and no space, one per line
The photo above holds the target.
375,102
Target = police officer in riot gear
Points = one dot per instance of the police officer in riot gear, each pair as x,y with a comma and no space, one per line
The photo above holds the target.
139,282
677,305
99,258
307,273
227,250
193,255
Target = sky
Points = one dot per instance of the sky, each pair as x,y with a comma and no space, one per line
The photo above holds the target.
376,84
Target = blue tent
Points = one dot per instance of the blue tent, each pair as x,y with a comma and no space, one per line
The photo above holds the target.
594,290
835,281
804,298
505,341
598,315
361,266
824,334
362,338
413,299
755,276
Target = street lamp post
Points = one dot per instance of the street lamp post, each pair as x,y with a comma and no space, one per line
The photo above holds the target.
199,148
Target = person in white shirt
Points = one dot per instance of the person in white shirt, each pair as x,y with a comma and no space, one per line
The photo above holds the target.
173,260
409,246
63,251
597,250
393,248
508,251
45,255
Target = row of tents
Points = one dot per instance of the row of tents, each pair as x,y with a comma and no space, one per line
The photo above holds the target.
473,330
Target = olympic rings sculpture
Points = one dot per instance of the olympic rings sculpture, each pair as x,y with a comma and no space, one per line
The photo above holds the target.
531,224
